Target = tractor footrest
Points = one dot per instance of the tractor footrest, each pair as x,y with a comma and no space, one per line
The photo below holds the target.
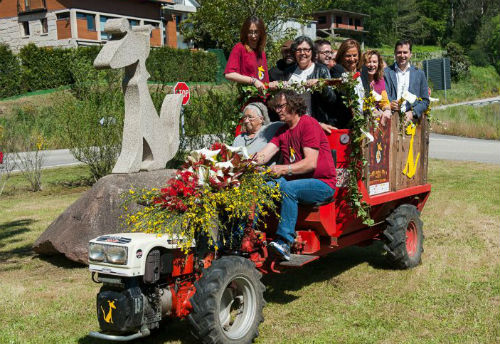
298,260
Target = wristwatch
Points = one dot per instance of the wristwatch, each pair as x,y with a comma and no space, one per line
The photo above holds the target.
289,170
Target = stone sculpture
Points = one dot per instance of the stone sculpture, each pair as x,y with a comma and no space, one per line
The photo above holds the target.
149,141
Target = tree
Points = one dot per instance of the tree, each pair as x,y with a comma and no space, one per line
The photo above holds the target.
218,22
488,40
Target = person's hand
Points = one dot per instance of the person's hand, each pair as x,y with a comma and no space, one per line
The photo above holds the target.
386,115
395,105
279,170
311,82
259,84
273,85
327,128
409,116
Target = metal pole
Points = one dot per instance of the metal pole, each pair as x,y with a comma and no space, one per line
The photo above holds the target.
444,78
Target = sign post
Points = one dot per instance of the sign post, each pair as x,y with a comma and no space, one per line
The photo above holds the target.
182,88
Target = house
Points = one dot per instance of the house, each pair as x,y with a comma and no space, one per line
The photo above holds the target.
301,29
180,9
71,23
340,24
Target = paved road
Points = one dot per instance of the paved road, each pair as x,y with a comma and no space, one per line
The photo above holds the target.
461,148
478,102
440,147
56,158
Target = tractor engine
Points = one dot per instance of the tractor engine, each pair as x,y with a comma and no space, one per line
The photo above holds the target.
136,271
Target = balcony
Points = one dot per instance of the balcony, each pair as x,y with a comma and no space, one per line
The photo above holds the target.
31,6
178,7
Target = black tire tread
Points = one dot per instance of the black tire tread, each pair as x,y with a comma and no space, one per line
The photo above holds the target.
203,318
395,237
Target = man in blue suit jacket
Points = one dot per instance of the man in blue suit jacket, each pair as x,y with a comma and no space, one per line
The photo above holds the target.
402,77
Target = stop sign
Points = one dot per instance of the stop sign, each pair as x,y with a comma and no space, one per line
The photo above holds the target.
182,88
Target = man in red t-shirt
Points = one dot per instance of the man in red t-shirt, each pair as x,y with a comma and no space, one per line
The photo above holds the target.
308,174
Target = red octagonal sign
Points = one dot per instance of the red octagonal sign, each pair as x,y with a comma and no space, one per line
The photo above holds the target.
182,88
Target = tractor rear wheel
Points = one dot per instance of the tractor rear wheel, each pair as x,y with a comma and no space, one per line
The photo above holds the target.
227,306
404,237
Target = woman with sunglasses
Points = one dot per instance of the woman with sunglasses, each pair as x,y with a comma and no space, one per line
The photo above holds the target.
247,63
306,71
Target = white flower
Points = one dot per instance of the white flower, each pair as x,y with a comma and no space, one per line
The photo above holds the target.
202,173
410,97
376,96
367,135
196,155
345,77
242,151
225,164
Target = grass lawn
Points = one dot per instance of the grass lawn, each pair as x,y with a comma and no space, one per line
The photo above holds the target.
481,122
350,296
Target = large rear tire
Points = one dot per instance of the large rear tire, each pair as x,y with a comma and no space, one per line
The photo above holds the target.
404,237
227,306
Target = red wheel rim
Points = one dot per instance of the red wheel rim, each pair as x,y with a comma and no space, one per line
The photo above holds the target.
411,239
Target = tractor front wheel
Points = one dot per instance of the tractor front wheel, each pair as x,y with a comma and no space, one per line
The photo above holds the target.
227,306
404,237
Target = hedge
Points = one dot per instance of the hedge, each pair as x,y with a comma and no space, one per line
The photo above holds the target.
10,72
169,65
38,68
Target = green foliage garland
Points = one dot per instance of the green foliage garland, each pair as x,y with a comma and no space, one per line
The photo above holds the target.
361,122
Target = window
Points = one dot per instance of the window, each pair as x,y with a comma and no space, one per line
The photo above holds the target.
153,24
322,20
26,28
178,20
350,22
338,19
63,15
45,27
89,18
357,22
133,22
103,20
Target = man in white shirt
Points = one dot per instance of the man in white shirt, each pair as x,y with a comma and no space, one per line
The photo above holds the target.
402,80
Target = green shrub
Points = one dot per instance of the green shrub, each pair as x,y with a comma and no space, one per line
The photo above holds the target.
167,64
93,123
210,116
459,62
30,121
478,57
10,83
44,68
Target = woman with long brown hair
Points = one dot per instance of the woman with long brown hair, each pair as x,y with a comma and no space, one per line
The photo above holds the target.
374,76
247,63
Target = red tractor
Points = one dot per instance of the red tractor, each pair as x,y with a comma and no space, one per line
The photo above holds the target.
146,278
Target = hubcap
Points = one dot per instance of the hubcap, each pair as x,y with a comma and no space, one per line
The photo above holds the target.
411,239
238,307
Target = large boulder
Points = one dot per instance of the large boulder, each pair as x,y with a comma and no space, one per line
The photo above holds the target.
96,213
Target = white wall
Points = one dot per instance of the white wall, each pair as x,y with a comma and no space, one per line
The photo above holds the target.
302,30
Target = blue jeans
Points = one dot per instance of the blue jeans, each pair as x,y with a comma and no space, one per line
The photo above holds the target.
304,191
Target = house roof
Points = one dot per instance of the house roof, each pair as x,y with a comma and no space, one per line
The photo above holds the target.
335,11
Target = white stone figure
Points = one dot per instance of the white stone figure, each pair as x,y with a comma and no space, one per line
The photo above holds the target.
149,141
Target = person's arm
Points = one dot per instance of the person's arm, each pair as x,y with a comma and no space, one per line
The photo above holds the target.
306,165
266,153
420,106
243,79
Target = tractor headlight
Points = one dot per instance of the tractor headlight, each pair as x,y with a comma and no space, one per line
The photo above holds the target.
96,252
108,253
116,254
